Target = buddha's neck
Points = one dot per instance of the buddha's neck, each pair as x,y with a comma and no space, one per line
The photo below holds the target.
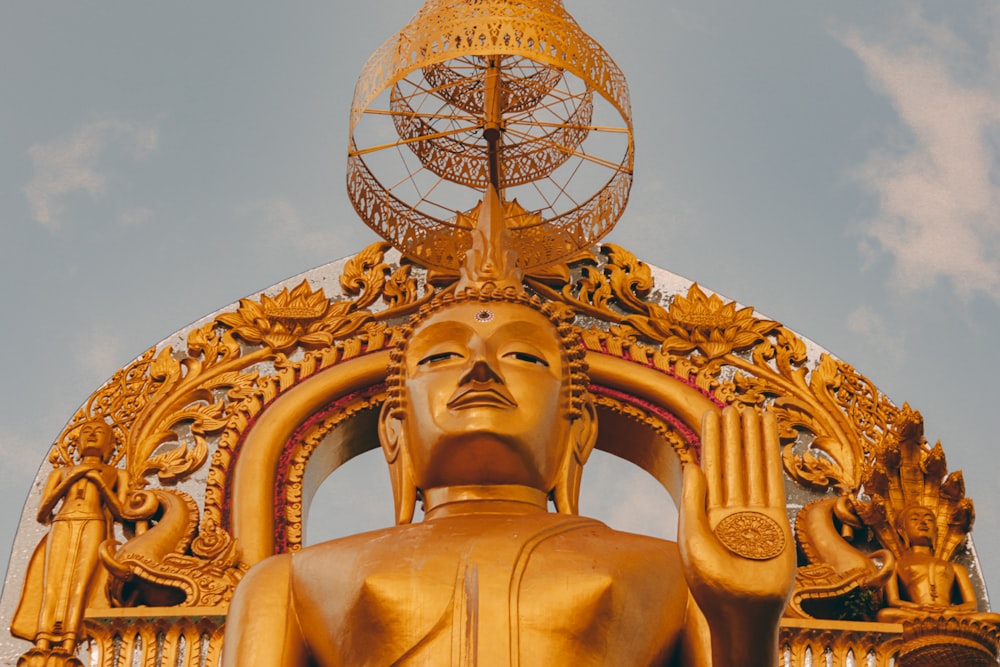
448,501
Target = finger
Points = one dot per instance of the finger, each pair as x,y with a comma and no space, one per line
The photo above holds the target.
711,462
694,489
732,452
693,529
754,472
772,461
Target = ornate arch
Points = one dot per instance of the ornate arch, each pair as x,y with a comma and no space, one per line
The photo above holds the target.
326,419
229,427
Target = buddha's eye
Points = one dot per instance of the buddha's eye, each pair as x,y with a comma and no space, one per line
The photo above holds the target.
528,358
437,356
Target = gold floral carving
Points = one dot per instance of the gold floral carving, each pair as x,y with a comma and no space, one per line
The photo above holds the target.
831,418
167,405
703,323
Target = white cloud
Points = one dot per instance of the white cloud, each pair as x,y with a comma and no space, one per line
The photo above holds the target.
939,198
72,165
867,323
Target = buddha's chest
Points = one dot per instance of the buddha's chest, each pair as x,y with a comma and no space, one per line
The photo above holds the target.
927,580
481,606
512,598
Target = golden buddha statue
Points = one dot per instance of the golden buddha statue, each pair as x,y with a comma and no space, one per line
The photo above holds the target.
925,585
488,417
63,576
487,420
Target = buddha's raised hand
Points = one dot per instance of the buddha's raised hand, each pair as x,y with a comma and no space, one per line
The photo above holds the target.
734,536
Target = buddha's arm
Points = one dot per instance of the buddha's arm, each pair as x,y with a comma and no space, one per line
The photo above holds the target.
49,498
735,539
113,494
696,641
56,485
892,596
965,589
261,628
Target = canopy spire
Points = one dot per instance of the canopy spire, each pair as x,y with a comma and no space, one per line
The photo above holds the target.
504,102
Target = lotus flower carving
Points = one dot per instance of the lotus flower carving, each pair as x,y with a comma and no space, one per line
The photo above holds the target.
702,322
300,316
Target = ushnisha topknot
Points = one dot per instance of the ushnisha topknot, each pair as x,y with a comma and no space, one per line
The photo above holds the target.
561,316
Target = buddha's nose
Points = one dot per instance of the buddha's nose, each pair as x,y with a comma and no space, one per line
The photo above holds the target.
481,371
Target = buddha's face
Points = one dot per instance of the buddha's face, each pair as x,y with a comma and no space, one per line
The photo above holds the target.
919,526
485,385
95,439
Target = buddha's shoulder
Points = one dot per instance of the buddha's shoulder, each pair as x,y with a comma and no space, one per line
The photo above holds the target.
606,543
357,545
552,531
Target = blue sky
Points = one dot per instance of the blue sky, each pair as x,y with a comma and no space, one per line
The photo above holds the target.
833,164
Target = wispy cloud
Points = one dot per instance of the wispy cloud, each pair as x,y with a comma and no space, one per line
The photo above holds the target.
280,224
939,214
867,323
73,165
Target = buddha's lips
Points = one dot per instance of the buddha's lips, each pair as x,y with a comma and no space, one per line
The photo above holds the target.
492,396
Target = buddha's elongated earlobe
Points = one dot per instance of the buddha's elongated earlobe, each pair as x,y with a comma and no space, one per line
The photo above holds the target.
583,437
404,491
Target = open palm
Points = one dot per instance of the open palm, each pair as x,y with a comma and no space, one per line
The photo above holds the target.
734,535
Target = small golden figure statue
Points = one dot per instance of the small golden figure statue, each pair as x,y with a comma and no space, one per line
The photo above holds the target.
918,511
924,584
64,571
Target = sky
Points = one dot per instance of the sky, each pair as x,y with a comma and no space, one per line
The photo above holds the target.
834,165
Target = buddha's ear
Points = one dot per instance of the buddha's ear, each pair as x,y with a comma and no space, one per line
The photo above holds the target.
583,430
392,438
582,438
390,433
